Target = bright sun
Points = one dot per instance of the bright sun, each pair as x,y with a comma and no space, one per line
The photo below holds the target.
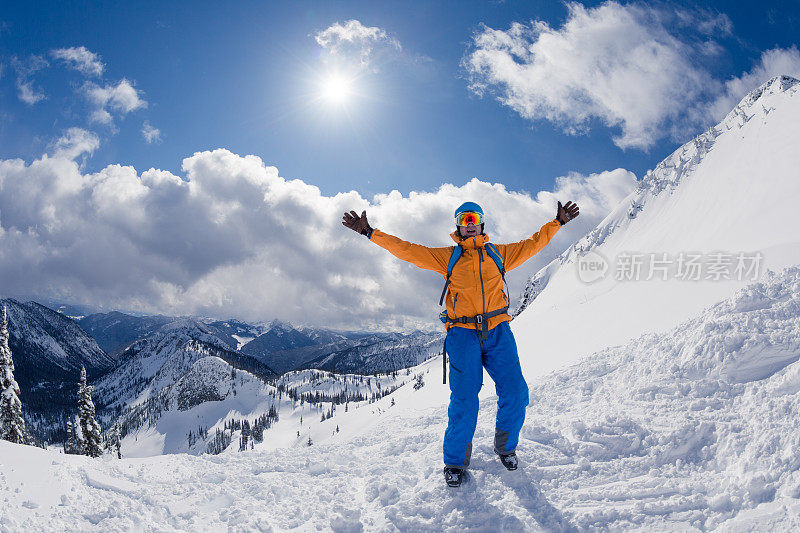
336,89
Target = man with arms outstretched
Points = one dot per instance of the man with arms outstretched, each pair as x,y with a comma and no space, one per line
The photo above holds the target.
477,320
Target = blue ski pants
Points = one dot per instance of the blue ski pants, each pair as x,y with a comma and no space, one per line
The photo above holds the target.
468,355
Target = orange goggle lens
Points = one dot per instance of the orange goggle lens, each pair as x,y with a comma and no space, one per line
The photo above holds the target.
469,217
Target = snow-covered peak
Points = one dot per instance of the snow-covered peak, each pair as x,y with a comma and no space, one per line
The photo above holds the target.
160,359
773,86
728,191
277,326
185,329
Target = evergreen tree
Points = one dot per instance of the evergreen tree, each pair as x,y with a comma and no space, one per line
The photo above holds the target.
12,425
113,441
70,445
90,428
80,442
245,436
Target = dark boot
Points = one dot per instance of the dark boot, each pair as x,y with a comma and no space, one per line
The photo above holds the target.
509,460
453,476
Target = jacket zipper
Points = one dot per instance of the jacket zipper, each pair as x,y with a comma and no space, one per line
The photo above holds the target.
480,274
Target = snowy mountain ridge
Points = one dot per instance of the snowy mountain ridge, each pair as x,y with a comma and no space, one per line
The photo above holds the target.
707,199
49,350
161,359
666,176
45,331
115,330
185,376
288,348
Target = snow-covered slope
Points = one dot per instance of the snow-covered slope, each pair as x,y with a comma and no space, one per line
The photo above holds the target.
178,417
204,411
692,429
730,190
686,427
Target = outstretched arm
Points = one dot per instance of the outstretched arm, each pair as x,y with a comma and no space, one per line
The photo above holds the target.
435,259
516,253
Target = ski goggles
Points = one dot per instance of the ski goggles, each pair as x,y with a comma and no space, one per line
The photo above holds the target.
469,217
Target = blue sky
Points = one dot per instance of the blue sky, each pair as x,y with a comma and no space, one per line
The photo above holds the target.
235,76
512,104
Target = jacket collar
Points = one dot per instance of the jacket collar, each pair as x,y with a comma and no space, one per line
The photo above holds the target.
470,243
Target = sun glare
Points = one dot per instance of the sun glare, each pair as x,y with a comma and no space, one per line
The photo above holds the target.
336,89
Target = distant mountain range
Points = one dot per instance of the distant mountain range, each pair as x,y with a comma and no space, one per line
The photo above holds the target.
277,344
376,353
116,330
130,359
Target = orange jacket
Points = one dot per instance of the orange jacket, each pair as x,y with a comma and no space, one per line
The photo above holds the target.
476,285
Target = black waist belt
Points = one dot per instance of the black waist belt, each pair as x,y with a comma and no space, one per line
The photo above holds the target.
478,319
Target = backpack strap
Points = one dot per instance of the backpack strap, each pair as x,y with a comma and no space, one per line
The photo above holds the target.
494,253
454,256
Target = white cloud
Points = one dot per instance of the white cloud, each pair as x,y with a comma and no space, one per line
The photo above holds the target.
355,42
121,98
775,62
74,143
230,237
25,71
80,59
623,65
151,134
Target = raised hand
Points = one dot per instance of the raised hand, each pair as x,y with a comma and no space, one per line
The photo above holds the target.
567,212
356,223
